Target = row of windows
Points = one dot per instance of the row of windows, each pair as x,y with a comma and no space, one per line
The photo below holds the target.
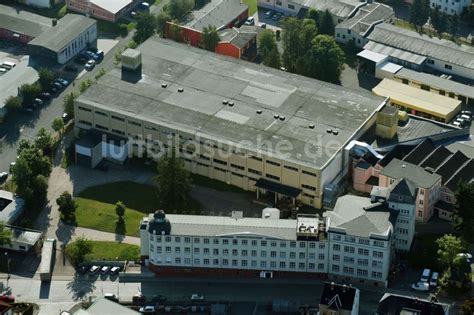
235,241
360,272
360,251
243,263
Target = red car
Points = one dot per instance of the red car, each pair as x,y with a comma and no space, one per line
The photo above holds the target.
7,298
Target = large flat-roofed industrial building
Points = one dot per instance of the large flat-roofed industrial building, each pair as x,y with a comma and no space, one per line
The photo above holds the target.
279,134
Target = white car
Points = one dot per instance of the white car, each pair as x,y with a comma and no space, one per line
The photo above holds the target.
425,276
420,286
149,309
197,297
465,255
434,279
90,65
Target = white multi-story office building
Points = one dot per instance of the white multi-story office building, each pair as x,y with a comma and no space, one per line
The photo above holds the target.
353,243
451,7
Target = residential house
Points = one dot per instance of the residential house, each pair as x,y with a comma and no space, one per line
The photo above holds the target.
338,299
394,304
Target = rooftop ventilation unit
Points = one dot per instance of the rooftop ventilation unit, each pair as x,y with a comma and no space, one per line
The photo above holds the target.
276,116
164,85
230,103
311,126
282,118
225,102
329,130
335,132
181,90
259,111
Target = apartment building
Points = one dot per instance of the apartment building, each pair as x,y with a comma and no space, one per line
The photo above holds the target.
275,133
354,243
451,7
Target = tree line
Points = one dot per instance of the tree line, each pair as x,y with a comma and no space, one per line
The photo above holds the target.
421,12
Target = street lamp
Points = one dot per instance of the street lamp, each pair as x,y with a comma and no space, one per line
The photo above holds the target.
8,267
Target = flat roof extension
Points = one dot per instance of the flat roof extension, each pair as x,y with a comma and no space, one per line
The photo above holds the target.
418,99
207,79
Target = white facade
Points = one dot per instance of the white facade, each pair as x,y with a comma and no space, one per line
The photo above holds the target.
451,7
405,225
41,3
74,47
367,259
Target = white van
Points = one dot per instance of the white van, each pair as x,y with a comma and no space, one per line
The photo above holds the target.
3,71
425,276
8,65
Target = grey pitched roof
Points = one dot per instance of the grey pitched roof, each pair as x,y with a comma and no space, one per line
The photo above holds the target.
424,45
216,13
67,29
339,8
239,37
23,22
366,17
196,225
360,217
403,191
398,169
25,236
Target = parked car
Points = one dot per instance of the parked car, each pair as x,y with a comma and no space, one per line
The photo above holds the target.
89,54
62,81
3,176
57,85
12,165
420,286
8,298
158,298
466,118
66,117
149,309
197,297
262,25
250,21
45,96
98,56
269,14
425,276
92,49
94,270
90,65
114,270
457,124
133,14
276,16
111,297
71,68
144,6
466,112
38,101
434,279
465,255
27,110
104,270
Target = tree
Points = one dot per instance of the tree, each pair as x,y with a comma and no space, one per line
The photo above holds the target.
419,12
313,14
44,142
325,59
454,25
57,124
120,210
267,48
146,26
69,104
210,38
448,248
463,216
292,48
177,9
327,24
13,103
29,92
5,235
467,307
66,203
443,24
161,20
435,18
78,250
174,183
46,77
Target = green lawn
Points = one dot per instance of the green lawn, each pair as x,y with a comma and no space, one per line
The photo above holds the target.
252,6
96,206
113,251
